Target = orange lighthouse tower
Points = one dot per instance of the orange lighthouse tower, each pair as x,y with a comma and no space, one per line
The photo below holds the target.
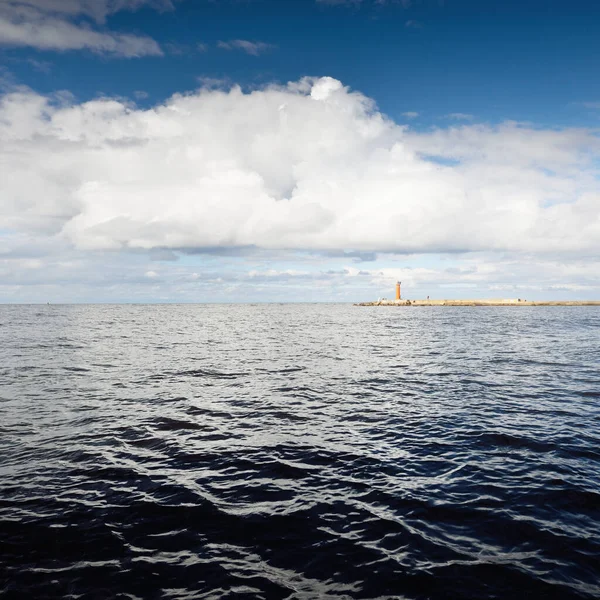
398,295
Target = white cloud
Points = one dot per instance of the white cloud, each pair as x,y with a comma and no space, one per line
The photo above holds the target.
252,48
355,3
458,116
41,66
215,82
62,25
57,274
96,9
410,114
310,165
342,2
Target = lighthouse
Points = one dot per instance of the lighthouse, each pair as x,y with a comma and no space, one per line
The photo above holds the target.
398,294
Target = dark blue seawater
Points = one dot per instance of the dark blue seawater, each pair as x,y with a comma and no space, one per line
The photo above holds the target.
299,451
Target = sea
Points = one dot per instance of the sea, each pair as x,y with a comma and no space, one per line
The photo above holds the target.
299,451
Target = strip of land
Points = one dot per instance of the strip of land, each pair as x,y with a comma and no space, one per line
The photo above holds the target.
492,302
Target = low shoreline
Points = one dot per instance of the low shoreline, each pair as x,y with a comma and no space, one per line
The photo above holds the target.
493,302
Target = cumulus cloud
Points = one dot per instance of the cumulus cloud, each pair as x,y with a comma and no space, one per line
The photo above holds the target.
69,25
310,165
252,48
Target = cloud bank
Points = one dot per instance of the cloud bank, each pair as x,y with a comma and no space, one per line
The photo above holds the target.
62,25
308,166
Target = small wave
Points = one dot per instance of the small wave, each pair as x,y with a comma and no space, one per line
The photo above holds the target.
441,458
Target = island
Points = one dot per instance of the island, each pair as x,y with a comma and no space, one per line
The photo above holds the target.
486,302
399,301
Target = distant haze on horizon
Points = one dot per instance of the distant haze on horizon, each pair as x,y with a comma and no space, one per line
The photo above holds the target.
310,150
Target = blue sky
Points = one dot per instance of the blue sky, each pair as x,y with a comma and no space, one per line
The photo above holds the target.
450,143
527,61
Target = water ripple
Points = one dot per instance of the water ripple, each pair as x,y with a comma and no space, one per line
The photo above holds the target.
299,451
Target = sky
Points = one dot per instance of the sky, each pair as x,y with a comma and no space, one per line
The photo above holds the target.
298,150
